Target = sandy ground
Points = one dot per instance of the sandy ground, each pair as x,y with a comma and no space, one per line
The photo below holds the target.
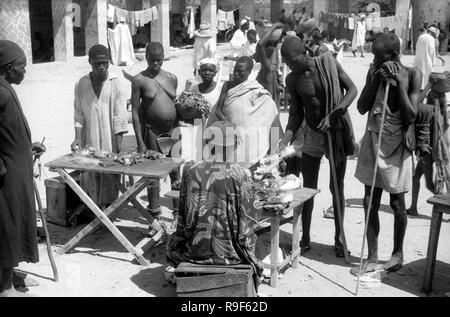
100,266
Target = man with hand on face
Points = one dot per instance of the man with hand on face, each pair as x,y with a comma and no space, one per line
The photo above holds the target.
395,164
154,113
316,87
100,122
18,230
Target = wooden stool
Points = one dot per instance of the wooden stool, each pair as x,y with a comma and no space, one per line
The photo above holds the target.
441,205
194,280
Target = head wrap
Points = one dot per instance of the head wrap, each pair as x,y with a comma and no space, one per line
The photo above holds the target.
208,60
243,21
9,52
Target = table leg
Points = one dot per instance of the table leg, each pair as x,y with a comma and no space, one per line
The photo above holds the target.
274,246
296,236
435,228
102,217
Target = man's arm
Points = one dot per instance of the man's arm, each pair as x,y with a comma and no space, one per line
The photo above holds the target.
296,112
261,47
350,88
409,93
136,105
369,93
79,120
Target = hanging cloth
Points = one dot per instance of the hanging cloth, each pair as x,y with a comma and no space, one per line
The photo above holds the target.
154,12
351,23
222,23
111,13
191,28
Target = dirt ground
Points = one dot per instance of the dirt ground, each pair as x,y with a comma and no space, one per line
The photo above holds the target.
100,266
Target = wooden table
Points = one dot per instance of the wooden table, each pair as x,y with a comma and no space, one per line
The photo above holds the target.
148,170
293,212
441,205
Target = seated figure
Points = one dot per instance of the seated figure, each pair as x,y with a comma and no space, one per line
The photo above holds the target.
216,220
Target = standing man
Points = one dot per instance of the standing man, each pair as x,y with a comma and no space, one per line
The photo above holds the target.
18,230
204,45
154,114
239,38
425,56
316,87
395,165
100,117
359,37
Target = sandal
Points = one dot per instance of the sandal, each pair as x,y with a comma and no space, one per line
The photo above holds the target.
340,252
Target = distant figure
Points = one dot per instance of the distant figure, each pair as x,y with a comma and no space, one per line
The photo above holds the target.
204,46
425,56
284,18
239,38
359,37
121,45
249,48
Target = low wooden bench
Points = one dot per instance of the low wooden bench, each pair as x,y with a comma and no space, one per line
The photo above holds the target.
441,205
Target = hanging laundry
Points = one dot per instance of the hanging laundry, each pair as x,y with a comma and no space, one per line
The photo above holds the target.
351,23
111,13
191,27
222,23
230,19
147,16
154,12
120,14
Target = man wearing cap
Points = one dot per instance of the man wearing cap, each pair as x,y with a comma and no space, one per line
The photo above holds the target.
204,45
100,118
18,238
425,55
239,38
154,114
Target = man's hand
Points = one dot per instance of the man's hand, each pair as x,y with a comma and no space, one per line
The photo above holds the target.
278,25
154,155
76,145
324,125
391,71
38,148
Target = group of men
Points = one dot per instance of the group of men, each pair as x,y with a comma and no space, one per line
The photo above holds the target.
321,93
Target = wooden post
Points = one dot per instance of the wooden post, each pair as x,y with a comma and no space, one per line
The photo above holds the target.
274,245
296,236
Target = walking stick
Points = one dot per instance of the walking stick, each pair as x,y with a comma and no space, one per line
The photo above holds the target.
44,224
372,189
338,198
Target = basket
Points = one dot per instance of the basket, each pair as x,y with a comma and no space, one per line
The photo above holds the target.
192,105
441,82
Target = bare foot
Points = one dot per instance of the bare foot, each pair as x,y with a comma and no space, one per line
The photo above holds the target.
21,280
367,267
394,264
12,292
412,212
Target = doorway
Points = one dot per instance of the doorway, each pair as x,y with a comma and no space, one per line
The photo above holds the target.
41,24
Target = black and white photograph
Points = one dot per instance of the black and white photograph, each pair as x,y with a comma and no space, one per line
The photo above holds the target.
224,149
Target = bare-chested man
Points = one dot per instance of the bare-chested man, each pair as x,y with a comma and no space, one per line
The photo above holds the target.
154,113
316,86
395,165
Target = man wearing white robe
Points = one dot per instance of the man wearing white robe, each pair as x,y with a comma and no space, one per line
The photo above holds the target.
121,45
425,56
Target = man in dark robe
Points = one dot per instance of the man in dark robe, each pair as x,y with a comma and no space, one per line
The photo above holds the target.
18,230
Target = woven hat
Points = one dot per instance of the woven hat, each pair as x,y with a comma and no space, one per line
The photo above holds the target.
433,30
204,30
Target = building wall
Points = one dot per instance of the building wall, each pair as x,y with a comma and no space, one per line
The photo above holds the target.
430,11
15,24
